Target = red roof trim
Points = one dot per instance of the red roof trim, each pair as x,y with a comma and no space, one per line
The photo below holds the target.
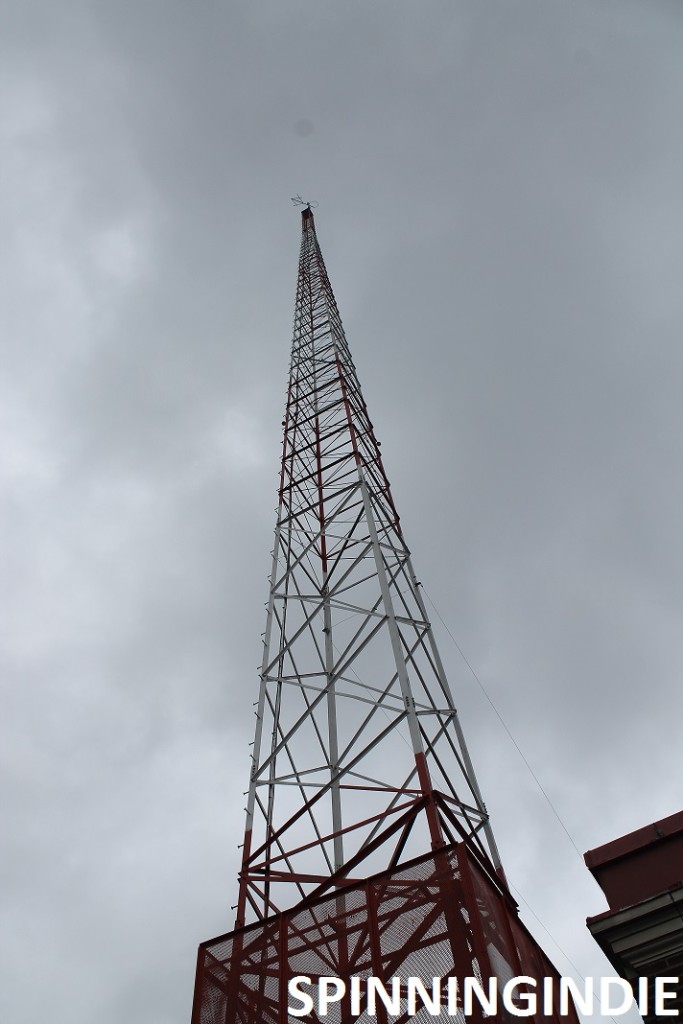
638,840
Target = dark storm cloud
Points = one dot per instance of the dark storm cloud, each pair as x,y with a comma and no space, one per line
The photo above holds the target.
501,218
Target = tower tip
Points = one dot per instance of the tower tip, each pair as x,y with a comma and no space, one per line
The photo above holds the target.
307,212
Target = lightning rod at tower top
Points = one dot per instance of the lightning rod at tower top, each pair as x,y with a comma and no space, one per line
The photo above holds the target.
367,848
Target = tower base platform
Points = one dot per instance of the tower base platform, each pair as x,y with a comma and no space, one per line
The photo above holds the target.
416,943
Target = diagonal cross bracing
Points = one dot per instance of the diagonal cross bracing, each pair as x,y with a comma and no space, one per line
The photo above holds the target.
358,755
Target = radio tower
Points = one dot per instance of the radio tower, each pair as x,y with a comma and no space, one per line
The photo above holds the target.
367,849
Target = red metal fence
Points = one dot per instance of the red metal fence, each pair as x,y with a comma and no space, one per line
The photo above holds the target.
441,916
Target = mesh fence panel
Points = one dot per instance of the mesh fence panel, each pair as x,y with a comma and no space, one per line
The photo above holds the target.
439,917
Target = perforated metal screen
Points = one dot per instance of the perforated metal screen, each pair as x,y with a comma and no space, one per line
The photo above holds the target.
440,916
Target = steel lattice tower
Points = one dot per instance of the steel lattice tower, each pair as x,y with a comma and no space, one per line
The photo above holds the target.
360,770
358,744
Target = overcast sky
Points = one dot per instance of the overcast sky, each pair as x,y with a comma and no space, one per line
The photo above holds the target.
501,214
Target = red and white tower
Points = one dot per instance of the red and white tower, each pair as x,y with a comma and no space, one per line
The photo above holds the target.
367,849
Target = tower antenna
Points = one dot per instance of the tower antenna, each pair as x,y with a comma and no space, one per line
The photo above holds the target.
367,848
298,201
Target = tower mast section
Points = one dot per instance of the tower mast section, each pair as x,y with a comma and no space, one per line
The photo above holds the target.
368,853
358,753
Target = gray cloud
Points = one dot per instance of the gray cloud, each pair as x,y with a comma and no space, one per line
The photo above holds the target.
502,220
